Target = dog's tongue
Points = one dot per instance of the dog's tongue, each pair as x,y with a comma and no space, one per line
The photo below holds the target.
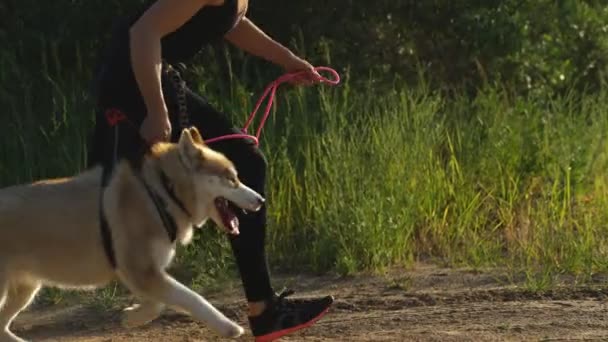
229,219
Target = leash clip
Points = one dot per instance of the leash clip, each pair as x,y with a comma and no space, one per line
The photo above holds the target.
114,116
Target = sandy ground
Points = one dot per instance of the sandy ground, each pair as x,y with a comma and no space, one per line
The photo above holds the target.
422,304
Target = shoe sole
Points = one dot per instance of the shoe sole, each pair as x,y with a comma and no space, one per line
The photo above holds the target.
278,334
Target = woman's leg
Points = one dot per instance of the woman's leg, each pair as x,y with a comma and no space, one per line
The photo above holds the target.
249,245
270,316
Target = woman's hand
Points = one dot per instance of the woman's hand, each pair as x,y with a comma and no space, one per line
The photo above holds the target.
156,127
307,75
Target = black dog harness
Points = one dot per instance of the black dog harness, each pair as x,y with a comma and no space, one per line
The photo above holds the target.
159,204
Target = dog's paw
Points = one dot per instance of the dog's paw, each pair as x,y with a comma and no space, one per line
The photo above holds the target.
233,330
138,315
7,336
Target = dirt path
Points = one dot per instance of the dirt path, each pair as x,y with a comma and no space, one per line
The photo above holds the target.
427,304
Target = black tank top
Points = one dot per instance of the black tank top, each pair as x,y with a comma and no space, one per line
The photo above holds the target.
209,24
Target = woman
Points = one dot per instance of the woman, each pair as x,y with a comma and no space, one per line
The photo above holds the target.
134,79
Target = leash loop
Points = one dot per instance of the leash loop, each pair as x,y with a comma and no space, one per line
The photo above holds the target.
270,94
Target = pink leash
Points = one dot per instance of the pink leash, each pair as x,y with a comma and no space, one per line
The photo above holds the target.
114,116
270,93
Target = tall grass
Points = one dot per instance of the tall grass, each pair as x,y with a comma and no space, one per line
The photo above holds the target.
497,180
361,181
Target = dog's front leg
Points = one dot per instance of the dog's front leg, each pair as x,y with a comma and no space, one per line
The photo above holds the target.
158,286
140,314
19,297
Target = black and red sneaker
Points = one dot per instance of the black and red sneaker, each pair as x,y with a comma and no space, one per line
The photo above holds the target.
286,315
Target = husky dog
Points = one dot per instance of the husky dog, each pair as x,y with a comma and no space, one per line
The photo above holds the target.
74,233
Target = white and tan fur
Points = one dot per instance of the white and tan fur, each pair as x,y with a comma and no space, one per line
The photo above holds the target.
50,232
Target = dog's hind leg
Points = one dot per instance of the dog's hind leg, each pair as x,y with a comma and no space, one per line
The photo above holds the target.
5,334
156,285
19,297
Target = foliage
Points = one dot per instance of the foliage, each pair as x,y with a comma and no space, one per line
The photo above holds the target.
507,168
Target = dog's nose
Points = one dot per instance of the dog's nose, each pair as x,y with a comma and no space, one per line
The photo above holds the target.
259,203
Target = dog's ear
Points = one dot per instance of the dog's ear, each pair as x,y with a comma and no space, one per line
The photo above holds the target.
196,135
190,154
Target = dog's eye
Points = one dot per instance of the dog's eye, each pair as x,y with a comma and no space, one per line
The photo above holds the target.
229,175
233,182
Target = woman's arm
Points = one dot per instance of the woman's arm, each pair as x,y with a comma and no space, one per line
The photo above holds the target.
248,37
162,18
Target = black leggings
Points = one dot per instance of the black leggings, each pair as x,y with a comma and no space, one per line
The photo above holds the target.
249,246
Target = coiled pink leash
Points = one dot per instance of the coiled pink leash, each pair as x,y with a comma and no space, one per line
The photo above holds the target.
270,93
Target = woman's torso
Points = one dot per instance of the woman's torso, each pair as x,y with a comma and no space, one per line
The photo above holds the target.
115,76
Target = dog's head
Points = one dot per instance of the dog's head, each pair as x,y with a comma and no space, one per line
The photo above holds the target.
211,181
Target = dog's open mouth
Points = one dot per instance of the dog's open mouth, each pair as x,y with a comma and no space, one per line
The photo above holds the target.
229,219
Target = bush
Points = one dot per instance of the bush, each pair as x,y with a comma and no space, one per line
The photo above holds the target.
531,45
539,45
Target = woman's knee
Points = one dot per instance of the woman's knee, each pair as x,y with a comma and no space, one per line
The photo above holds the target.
251,165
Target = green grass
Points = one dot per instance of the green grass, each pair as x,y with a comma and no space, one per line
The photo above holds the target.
362,181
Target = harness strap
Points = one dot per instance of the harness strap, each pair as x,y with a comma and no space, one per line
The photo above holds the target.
161,208
106,234
159,204
170,191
